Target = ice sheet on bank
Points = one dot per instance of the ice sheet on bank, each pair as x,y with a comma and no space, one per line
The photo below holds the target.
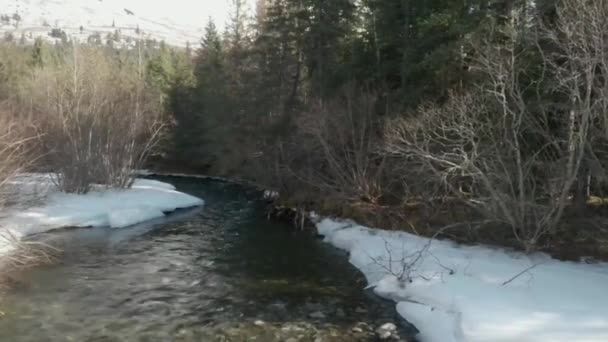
146,200
462,293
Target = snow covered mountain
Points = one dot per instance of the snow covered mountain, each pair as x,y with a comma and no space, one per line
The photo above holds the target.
82,19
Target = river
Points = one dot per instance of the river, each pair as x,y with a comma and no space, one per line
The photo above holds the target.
218,273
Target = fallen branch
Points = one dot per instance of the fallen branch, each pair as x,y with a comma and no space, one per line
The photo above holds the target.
520,274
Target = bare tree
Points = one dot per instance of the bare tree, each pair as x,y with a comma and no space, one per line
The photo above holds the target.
501,150
14,148
579,59
97,123
344,136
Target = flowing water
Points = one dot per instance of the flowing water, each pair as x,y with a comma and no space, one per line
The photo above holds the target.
219,273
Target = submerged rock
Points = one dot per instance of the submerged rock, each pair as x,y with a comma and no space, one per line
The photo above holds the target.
360,310
317,315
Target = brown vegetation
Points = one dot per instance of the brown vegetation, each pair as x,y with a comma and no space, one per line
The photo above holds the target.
12,149
88,115
23,255
510,160
96,121
15,156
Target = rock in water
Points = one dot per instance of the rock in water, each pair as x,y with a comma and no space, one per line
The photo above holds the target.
259,323
387,331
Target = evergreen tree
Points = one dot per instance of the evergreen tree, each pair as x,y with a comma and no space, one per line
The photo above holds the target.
159,70
9,37
39,53
328,26
280,57
237,28
202,110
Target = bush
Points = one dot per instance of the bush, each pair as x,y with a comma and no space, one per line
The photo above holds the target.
96,120
336,149
13,150
490,158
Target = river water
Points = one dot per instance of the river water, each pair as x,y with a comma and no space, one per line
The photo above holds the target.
219,273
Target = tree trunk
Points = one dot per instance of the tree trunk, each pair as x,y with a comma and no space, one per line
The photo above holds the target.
579,199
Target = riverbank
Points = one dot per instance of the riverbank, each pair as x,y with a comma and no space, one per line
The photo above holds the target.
224,272
37,207
455,293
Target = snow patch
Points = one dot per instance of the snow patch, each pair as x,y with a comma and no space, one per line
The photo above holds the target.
472,293
145,200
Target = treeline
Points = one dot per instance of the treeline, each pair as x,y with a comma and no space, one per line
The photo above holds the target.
481,120
489,115
89,114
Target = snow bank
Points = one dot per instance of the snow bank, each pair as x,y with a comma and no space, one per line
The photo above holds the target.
146,200
463,293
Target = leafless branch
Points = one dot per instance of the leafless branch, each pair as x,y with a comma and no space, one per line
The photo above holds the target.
520,274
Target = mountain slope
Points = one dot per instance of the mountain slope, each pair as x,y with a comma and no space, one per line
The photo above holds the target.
81,19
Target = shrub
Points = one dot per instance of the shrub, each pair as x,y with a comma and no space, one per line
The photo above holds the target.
15,149
96,120
338,147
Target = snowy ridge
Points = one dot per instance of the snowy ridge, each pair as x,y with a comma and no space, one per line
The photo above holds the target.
36,18
454,293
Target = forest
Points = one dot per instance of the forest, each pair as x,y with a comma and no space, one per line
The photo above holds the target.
482,121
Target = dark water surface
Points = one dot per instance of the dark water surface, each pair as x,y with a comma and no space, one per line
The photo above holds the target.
220,273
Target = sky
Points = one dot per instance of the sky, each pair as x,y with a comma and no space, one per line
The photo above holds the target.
185,12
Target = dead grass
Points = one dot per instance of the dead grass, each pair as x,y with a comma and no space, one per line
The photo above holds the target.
22,255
